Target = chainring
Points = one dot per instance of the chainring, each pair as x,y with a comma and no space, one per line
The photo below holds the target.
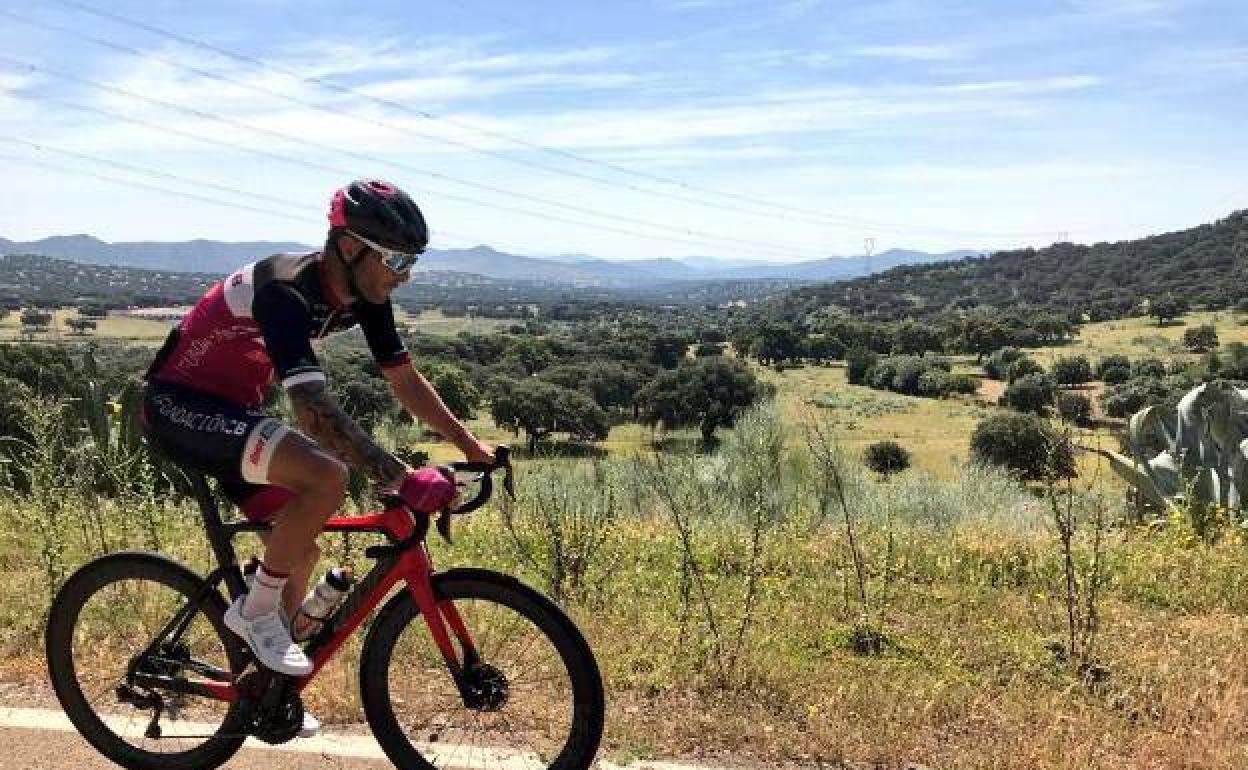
268,715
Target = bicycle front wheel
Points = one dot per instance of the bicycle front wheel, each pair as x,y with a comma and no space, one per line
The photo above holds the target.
537,699
100,626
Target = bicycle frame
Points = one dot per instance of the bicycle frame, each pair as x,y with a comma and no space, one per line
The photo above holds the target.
405,557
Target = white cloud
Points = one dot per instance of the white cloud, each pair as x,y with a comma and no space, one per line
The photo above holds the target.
1036,86
692,5
909,52
432,59
448,89
683,123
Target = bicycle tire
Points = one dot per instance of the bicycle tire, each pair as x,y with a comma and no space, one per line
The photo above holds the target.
94,580
473,590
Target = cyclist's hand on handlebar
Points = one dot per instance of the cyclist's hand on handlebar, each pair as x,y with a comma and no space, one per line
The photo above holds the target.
428,489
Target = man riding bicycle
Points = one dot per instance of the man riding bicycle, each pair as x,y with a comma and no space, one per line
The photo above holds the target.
206,386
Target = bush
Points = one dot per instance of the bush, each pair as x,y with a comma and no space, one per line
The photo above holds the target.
964,383
1116,375
998,363
886,458
1022,367
1023,444
1148,367
1115,361
935,383
911,375
1071,370
1074,408
1199,339
858,363
1031,393
1128,398
907,370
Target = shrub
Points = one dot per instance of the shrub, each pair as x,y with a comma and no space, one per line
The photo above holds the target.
1148,367
907,370
1074,408
935,383
1031,393
999,362
964,383
1131,396
886,458
1072,370
1024,444
858,362
1115,361
1198,339
1023,367
1116,375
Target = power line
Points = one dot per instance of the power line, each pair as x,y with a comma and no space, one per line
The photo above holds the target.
152,187
823,217
305,213
340,172
44,147
697,237
358,94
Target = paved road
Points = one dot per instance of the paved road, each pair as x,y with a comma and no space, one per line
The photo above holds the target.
56,750
43,739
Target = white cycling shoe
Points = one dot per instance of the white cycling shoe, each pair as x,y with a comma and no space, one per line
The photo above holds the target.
268,636
311,726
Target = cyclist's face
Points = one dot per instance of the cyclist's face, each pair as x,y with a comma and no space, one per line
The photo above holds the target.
374,279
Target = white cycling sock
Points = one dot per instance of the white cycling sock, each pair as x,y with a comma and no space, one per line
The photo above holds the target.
265,594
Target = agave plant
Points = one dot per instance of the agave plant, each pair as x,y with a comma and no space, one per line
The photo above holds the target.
1192,454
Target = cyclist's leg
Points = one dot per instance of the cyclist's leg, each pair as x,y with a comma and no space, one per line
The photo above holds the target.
261,502
300,576
238,445
317,482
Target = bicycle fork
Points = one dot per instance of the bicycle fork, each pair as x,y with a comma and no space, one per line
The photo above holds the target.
444,622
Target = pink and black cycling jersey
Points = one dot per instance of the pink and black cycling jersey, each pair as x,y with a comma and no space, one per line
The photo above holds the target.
258,324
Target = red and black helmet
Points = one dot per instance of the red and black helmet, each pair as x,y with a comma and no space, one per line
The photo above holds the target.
381,213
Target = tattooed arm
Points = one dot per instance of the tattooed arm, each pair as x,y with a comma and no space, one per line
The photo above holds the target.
323,419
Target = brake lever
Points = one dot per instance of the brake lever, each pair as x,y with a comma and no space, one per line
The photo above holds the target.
502,459
507,482
444,526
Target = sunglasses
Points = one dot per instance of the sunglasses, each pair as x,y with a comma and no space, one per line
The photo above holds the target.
397,261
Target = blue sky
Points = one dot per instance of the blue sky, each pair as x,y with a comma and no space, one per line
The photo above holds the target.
931,125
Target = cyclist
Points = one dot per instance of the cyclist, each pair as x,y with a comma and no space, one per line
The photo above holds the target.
206,387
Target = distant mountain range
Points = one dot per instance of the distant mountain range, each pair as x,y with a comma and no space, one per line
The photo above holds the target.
575,270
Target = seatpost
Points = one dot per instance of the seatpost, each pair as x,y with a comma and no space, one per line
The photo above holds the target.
222,544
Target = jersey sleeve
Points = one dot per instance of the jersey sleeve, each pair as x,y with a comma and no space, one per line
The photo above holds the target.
284,320
377,323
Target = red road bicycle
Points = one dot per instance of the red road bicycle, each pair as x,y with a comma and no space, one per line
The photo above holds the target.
465,667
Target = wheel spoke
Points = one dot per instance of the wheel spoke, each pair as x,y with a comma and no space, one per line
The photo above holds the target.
522,675
114,614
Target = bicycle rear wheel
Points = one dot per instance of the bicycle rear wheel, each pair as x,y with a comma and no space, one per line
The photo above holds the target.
539,700
101,622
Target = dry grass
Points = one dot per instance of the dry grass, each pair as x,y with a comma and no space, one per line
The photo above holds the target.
1142,337
967,681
